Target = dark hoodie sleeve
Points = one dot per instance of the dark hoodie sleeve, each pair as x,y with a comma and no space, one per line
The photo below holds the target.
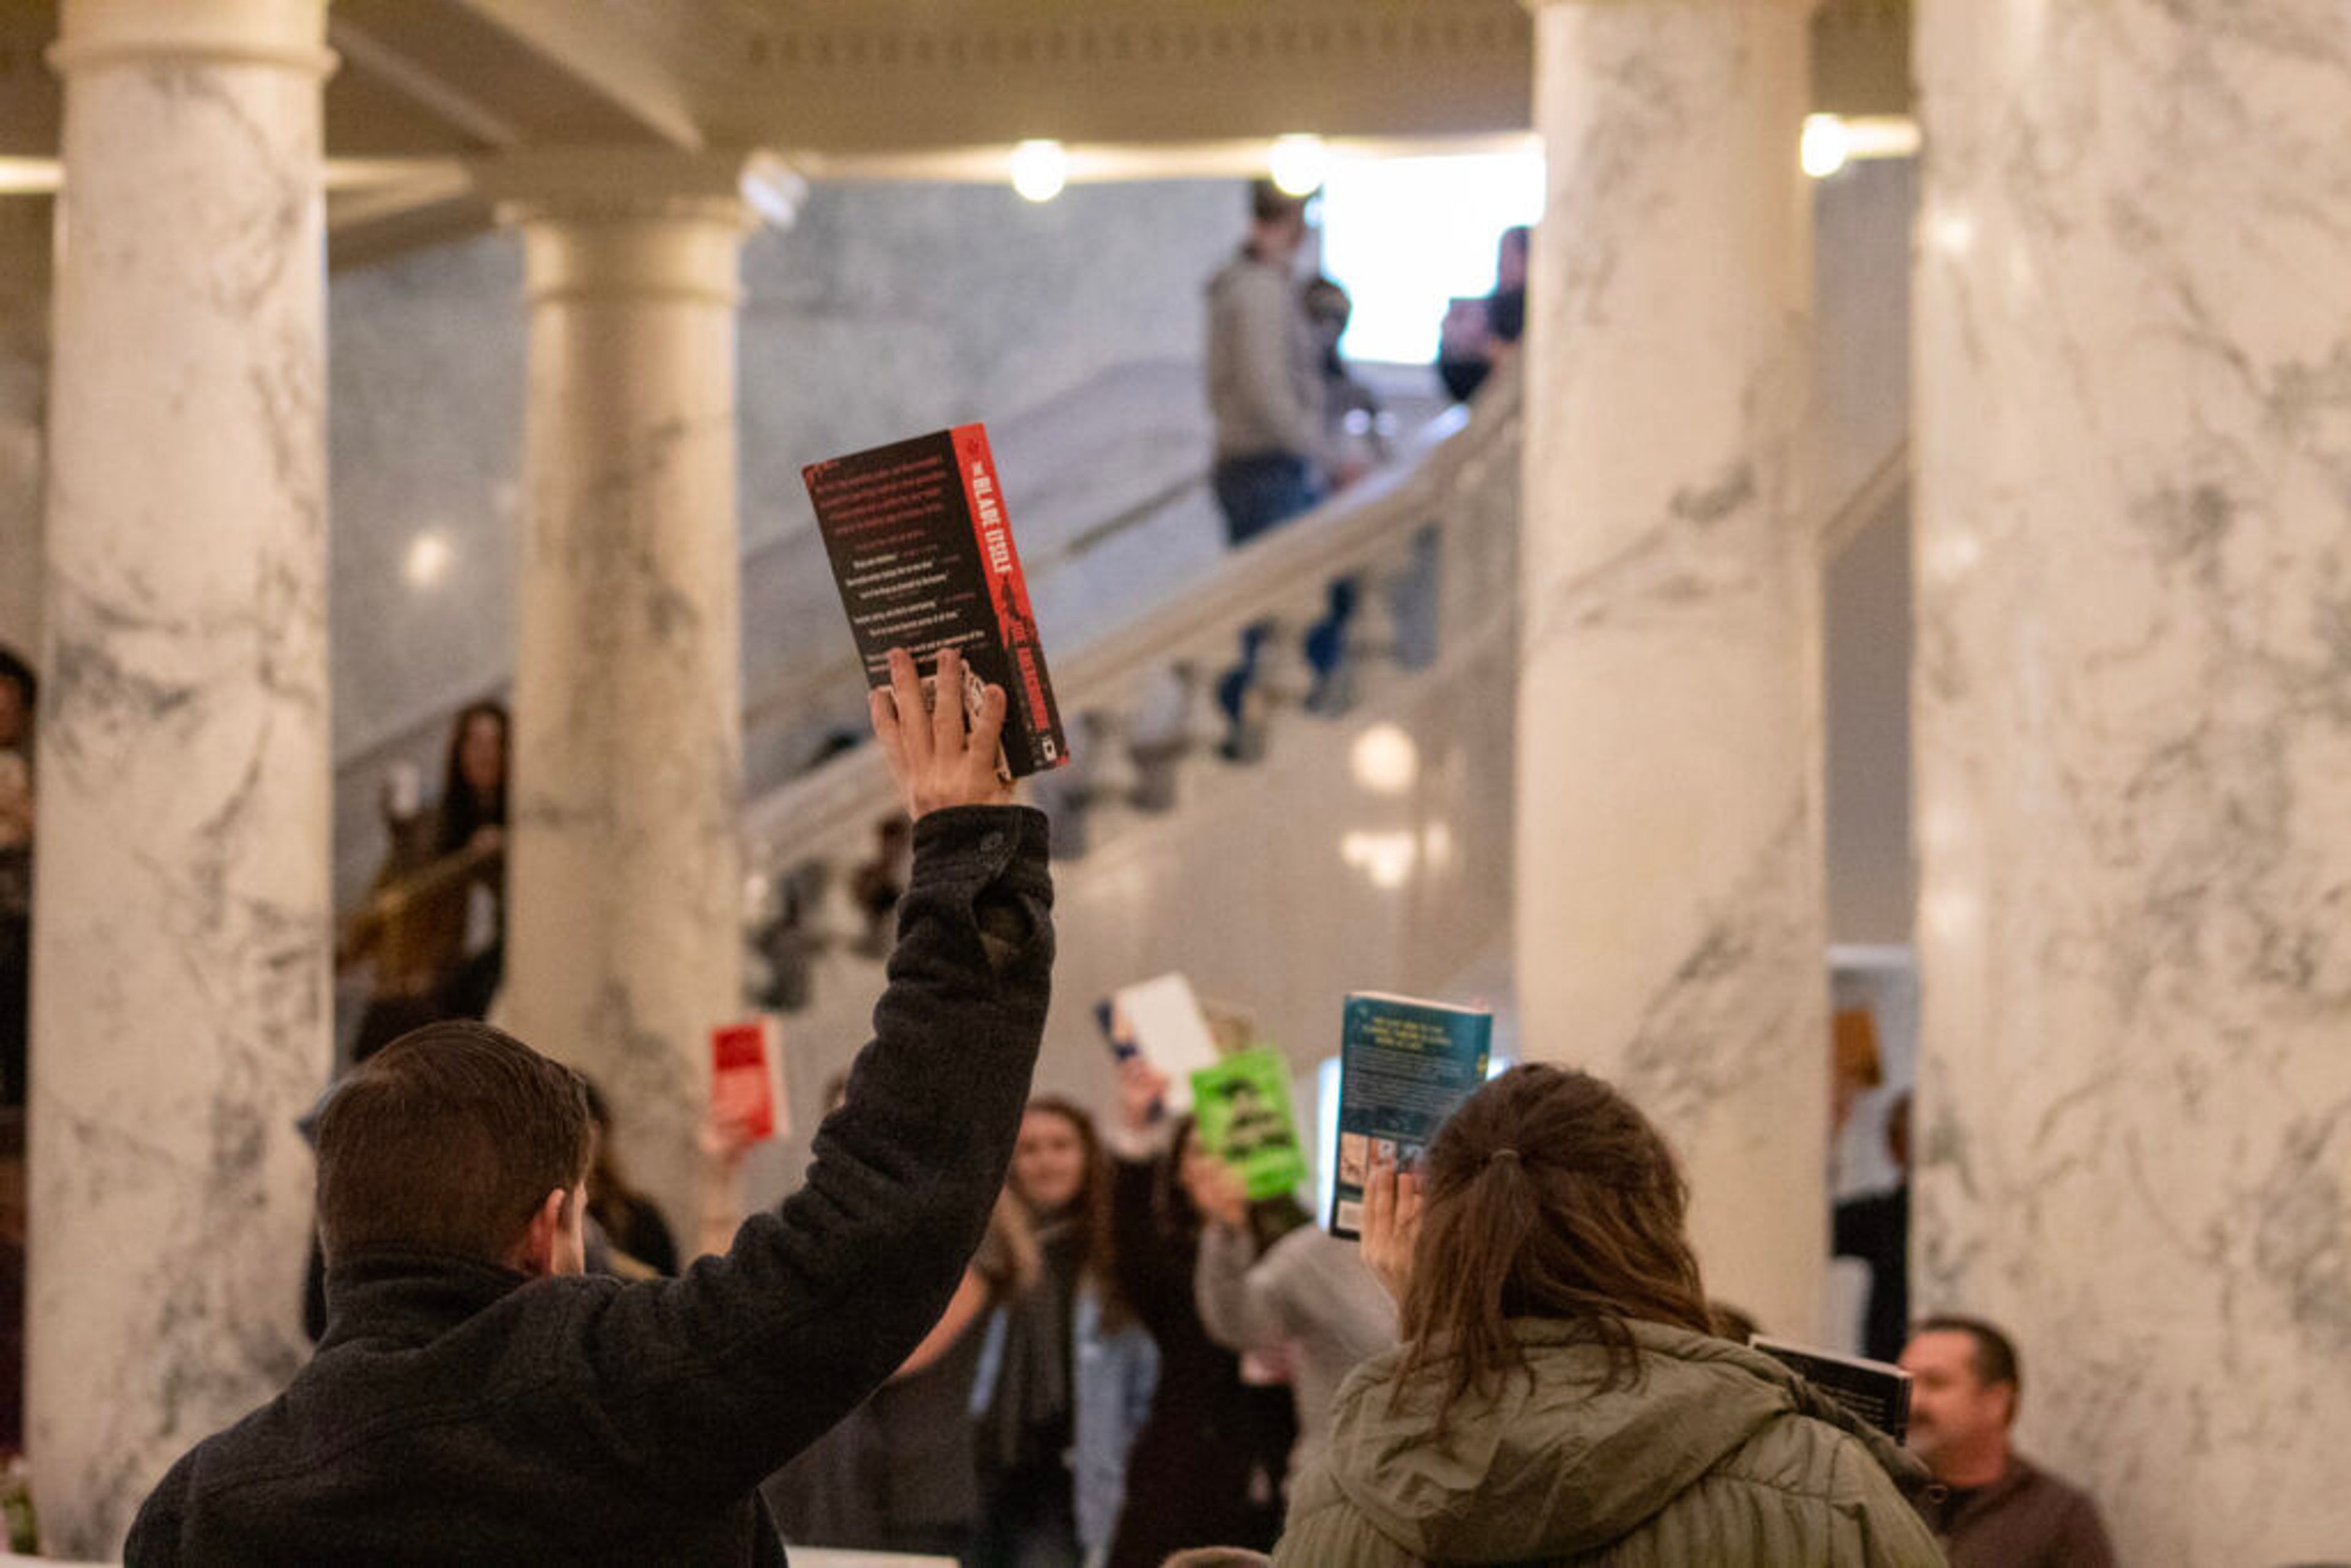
711,1381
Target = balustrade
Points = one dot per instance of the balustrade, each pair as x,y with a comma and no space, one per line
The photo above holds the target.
1361,594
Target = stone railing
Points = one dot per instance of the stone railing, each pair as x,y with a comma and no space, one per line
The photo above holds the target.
1363,591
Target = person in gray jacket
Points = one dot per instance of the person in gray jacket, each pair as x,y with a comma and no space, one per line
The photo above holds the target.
1265,374
1560,1399
1308,1294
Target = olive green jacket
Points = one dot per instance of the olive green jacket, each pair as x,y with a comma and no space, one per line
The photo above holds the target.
1718,1456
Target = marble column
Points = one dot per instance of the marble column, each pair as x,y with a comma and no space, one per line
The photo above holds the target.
625,887
2133,715
1670,925
180,1007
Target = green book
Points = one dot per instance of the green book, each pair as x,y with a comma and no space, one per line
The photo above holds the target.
1242,1110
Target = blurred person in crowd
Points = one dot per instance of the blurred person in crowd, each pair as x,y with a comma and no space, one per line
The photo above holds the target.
1998,1509
19,697
1875,1228
1308,1294
20,691
434,920
1353,441
12,1286
1560,1396
898,1473
1265,374
471,828
16,922
476,1399
1205,1469
1479,335
1067,1374
632,1222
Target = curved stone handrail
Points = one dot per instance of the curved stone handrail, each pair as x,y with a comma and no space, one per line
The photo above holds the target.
832,807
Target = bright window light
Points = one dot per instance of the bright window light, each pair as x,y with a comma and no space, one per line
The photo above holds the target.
1405,237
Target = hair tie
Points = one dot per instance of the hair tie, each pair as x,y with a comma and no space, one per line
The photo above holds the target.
1504,1152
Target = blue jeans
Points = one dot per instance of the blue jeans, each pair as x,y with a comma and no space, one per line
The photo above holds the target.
1257,493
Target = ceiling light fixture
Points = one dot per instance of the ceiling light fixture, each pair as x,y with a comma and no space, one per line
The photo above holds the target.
1298,164
1040,169
1827,145
428,558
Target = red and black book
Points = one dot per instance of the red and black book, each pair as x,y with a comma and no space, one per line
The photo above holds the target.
922,551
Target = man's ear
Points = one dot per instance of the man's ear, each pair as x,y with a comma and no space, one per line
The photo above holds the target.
536,1256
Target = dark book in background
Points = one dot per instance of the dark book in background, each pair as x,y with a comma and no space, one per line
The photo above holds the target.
1403,1066
1873,1391
921,552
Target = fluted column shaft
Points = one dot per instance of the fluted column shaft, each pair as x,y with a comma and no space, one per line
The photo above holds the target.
180,1013
2133,707
626,892
1670,927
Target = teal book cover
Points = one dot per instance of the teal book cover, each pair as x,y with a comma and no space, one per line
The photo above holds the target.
1404,1065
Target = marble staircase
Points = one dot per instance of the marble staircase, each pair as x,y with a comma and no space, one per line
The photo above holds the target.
1357,836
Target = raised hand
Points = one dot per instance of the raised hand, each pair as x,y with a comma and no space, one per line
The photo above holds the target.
937,765
1391,1224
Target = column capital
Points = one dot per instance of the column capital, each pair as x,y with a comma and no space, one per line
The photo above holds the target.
639,185
291,34
637,222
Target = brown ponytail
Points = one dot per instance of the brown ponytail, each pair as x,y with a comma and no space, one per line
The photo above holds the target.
1547,1195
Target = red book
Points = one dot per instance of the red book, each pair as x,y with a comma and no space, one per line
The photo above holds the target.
746,1079
922,551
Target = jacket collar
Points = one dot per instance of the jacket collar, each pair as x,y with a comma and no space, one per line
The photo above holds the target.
408,1297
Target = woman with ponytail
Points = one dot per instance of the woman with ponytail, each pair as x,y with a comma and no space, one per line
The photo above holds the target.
1558,1398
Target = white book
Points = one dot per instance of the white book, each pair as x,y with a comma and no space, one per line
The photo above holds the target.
1162,1020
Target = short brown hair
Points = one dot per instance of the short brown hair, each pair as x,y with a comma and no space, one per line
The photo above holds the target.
1269,204
1546,1196
1993,1359
446,1140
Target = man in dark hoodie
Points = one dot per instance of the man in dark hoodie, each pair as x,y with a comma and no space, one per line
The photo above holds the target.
477,1399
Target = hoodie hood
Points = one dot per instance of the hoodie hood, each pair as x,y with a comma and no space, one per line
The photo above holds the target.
1551,1465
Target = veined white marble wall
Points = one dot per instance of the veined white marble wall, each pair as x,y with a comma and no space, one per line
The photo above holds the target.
179,1011
2133,695
1670,925
624,893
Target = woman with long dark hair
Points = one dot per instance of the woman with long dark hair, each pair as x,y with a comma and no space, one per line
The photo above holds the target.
1560,1396
1206,1467
471,834
1068,1371
631,1221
